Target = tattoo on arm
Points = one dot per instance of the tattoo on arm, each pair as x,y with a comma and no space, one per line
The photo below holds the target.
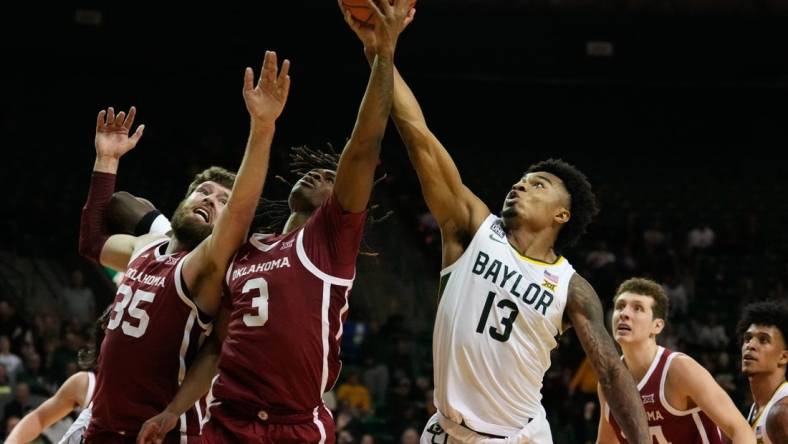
777,422
585,312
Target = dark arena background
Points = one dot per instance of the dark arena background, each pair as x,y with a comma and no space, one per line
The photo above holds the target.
676,110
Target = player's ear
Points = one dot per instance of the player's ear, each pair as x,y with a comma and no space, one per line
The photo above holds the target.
783,359
659,325
562,216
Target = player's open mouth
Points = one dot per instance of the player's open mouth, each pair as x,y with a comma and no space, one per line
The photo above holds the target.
623,327
748,358
202,213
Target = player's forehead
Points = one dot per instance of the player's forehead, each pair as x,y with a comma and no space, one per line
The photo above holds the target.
210,186
542,176
634,298
763,330
323,172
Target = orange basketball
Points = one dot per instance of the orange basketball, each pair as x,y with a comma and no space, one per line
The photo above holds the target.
361,11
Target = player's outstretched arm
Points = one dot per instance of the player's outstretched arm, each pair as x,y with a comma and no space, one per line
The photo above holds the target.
777,422
585,313
605,433
356,168
70,395
457,210
112,141
701,387
195,385
264,102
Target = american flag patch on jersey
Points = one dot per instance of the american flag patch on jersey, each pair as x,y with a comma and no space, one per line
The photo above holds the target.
550,277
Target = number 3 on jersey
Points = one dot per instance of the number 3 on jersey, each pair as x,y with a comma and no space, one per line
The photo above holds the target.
134,311
260,301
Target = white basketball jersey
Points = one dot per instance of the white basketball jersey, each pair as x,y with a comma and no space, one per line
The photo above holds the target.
77,429
758,421
498,318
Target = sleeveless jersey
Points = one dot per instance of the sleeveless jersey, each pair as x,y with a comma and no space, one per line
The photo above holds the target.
288,297
497,320
74,433
666,424
153,333
758,420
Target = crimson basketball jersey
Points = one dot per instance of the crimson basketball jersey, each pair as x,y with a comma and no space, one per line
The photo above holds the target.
289,297
666,424
153,333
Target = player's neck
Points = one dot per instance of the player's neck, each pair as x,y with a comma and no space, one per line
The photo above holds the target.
639,357
763,386
176,246
537,246
296,220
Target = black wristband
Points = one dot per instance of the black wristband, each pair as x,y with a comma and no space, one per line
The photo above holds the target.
143,226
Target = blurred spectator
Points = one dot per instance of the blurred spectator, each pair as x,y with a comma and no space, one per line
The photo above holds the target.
64,354
654,235
711,334
34,377
21,404
80,303
376,379
12,362
600,256
12,325
677,294
353,394
700,237
5,388
410,436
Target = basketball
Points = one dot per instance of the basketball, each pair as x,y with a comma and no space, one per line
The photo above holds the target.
361,11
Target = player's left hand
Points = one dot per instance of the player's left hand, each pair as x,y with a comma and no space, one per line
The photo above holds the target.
154,429
266,100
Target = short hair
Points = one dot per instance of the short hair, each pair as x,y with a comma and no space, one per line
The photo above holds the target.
768,313
647,287
216,174
583,205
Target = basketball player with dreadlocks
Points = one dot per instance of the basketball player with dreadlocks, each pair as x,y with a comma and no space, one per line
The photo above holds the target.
161,313
506,292
287,294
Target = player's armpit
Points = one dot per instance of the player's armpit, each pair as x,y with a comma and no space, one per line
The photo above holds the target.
585,313
777,422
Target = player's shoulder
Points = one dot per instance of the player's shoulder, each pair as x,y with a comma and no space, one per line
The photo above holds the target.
148,240
685,372
75,387
681,363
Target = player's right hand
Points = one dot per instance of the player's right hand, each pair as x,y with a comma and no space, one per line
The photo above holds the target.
112,133
154,429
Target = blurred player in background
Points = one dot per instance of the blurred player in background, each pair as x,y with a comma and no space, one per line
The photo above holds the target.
763,330
683,402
